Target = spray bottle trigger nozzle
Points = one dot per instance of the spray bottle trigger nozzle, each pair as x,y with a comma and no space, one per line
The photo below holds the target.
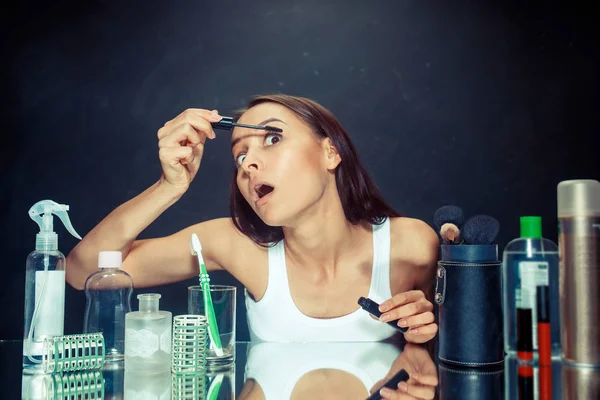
64,217
45,207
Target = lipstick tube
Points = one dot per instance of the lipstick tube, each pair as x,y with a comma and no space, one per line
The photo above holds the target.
543,326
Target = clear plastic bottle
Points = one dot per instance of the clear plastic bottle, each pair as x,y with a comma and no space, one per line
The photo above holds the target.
528,262
148,337
44,284
108,300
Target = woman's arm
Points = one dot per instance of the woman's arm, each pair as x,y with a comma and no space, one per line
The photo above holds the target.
414,258
181,146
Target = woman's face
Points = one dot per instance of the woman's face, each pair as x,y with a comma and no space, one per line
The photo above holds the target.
280,174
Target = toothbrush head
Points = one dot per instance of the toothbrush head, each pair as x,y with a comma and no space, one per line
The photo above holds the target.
195,246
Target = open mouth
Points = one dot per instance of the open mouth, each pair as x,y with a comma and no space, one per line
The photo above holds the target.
263,190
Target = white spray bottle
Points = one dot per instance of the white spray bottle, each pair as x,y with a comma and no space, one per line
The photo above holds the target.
44,283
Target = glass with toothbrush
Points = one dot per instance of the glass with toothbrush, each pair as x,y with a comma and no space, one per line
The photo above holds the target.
220,352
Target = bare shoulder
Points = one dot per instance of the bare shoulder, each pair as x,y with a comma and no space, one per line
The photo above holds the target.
413,242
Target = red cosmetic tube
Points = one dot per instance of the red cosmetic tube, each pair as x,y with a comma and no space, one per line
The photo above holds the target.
543,326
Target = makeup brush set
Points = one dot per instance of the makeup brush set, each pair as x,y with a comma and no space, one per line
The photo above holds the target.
450,224
468,290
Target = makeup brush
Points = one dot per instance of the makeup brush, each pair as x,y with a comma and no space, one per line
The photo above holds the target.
448,221
480,229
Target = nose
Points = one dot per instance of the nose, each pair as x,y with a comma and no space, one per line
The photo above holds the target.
252,162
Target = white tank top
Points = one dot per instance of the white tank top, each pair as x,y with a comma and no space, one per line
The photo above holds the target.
277,367
275,317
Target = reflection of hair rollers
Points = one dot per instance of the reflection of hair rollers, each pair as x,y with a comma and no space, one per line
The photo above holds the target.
76,385
188,386
73,353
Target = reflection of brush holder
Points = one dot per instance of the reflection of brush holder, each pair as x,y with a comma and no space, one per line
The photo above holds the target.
468,292
73,353
188,387
76,385
189,343
471,383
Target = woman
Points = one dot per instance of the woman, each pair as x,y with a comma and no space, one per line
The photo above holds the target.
309,233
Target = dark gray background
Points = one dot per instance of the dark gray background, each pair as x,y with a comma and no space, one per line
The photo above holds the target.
487,105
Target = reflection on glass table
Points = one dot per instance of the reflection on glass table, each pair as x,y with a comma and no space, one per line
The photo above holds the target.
333,370
264,371
558,381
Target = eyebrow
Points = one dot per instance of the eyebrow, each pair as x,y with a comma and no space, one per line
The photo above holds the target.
263,123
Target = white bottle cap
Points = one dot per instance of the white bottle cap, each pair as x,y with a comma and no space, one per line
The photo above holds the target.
578,198
110,259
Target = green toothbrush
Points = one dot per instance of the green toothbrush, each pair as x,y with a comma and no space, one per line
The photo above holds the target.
213,330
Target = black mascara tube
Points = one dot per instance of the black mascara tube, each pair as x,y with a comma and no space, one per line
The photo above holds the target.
373,308
227,124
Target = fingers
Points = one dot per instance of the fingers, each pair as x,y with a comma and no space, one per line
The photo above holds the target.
173,156
419,306
425,379
411,310
417,390
197,119
417,320
425,330
412,390
183,135
421,334
400,299
389,394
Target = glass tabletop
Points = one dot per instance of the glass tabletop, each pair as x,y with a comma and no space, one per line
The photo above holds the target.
306,371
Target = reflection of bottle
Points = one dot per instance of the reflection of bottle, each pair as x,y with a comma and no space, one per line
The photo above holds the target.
529,381
35,386
579,242
545,382
108,296
44,283
114,376
148,337
580,383
526,382
140,385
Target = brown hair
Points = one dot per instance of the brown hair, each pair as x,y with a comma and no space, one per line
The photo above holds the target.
359,195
